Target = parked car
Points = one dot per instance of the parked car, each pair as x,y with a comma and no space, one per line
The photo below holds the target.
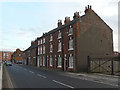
19,62
8,63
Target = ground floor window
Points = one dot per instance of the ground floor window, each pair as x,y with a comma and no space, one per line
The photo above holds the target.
40,61
43,61
71,61
59,61
50,62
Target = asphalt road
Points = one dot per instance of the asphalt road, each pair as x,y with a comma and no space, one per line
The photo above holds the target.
23,76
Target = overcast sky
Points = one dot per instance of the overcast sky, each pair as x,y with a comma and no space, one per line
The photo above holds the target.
23,21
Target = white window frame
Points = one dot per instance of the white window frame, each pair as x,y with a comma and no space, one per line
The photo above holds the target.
40,61
43,60
43,49
40,49
59,46
51,47
70,44
38,42
50,61
41,41
59,34
4,55
44,40
70,30
71,61
59,61
51,37
19,55
7,55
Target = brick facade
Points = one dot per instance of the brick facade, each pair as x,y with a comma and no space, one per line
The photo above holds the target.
5,55
68,46
17,56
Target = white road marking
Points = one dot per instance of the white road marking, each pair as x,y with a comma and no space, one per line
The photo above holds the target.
62,84
41,76
31,71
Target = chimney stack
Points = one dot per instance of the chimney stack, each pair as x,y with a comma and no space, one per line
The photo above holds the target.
67,19
32,42
88,9
76,15
59,23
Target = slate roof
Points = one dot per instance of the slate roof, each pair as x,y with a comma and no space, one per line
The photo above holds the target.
54,30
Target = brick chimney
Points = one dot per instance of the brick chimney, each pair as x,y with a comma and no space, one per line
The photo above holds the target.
76,15
59,23
88,9
67,19
32,42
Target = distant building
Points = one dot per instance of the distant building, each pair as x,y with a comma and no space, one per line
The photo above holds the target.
17,56
68,46
5,55
116,54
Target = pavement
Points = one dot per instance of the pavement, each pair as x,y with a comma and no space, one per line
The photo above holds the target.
113,80
96,77
23,76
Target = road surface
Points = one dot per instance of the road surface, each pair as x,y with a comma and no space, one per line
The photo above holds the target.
23,76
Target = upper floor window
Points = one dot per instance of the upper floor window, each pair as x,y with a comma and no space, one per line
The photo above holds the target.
70,61
41,41
43,49
39,50
59,46
70,43
50,62
19,55
59,34
70,30
51,37
38,42
6,55
51,47
44,40
59,61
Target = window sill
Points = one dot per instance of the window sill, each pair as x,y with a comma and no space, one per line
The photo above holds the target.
50,65
59,51
70,34
59,38
70,49
51,40
70,67
59,66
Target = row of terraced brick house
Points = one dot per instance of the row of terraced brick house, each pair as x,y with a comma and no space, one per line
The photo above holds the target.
68,46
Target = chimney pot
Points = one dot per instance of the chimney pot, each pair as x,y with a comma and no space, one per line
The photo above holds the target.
88,7
59,23
67,19
76,15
